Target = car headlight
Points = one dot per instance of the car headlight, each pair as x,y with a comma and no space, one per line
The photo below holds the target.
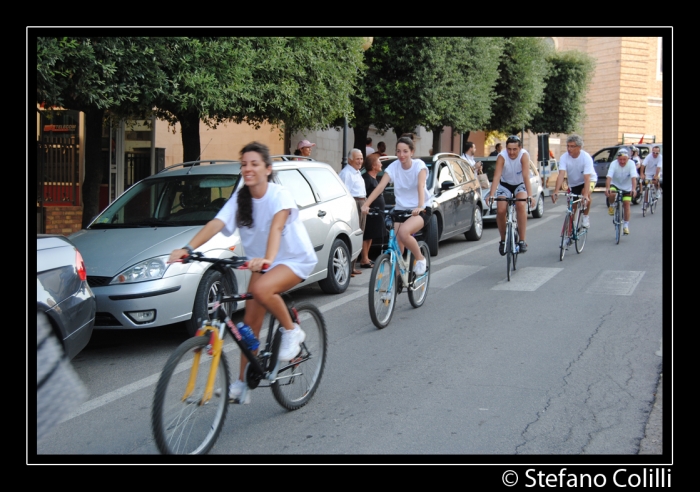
151,269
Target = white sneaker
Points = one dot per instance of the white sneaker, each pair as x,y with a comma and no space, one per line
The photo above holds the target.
291,341
237,389
586,222
420,267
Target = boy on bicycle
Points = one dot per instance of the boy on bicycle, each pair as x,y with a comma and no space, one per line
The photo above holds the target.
621,177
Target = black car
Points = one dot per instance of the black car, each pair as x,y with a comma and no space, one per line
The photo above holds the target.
457,204
62,292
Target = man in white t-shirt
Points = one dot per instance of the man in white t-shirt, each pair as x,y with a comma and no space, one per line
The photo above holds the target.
651,167
580,173
621,178
368,147
352,177
468,155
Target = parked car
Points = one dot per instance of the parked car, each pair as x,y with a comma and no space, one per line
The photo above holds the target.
603,158
63,293
127,245
457,206
536,188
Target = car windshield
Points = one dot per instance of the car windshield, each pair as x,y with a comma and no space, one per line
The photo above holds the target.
171,201
605,155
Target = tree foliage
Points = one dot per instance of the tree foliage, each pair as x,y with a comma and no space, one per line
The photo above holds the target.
520,88
563,107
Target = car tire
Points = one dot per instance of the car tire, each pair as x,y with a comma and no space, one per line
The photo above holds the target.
432,238
475,233
206,294
538,211
339,262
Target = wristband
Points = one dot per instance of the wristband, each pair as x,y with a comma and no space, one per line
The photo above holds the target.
188,248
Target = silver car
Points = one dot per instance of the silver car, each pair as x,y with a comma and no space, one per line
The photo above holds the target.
126,247
489,166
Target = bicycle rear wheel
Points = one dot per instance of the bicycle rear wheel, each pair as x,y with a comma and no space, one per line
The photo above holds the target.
382,291
654,200
581,233
618,221
183,423
564,236
418,290
298,379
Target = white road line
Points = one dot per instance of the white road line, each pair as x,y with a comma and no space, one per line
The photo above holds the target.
615,282
527,279
449,276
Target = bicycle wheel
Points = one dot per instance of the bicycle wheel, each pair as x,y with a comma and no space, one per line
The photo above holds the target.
419,290
581,233
654,200
618,221
516,246
645,201
509,249
382,291
298,379
184,424
564,236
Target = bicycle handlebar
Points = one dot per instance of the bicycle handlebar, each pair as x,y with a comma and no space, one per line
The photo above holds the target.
239,262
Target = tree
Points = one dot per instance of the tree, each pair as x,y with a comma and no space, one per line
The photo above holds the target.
293,82
563,108
94,75
427,81
520,88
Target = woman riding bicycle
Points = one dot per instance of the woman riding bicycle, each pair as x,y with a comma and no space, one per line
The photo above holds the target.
409,177
272,234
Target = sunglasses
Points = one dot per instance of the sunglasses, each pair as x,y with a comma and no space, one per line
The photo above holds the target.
513,139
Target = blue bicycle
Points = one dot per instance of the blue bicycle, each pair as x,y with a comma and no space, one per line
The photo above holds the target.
392,272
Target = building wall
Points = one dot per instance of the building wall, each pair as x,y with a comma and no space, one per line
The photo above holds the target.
223,143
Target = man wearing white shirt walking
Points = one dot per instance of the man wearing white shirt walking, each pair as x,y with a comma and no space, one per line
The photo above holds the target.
352,177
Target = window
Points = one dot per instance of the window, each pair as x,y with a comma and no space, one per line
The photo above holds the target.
293,181
326,182
458,172
444,174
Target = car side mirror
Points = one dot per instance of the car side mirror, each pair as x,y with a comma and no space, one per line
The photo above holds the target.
446,185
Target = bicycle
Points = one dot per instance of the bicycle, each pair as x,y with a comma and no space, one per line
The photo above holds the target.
569,233
391,272
191,397
512,237
617,215
650,198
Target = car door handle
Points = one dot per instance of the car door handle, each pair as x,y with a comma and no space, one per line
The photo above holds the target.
321,213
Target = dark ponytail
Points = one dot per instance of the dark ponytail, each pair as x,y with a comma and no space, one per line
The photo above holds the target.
244,215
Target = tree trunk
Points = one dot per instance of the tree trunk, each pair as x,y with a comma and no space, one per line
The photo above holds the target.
437,140
191,145
360,134
94,165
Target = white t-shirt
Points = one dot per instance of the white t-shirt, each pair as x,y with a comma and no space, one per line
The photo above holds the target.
621,176
651,163
368,150
470,159
353,180
406,184
577,168
295,251
513,168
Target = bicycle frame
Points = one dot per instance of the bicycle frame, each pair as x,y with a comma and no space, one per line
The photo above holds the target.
394,251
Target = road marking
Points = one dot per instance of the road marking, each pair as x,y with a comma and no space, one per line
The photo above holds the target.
449,276
527,279
360,280
615,282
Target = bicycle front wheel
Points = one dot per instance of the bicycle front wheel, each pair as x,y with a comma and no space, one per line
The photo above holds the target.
382,291
516,246
183,422
654,201
645,201
418,291
298,379
618,221
509,249
581,233
564,236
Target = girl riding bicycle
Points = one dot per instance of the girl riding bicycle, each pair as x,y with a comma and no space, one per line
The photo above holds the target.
409,176
272,234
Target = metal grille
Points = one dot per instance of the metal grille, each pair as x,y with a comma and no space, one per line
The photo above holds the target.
57,171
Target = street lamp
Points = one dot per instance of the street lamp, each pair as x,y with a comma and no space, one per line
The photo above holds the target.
344,161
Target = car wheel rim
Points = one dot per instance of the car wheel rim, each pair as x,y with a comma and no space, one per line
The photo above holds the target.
213,291
478,223
340,266
540,206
